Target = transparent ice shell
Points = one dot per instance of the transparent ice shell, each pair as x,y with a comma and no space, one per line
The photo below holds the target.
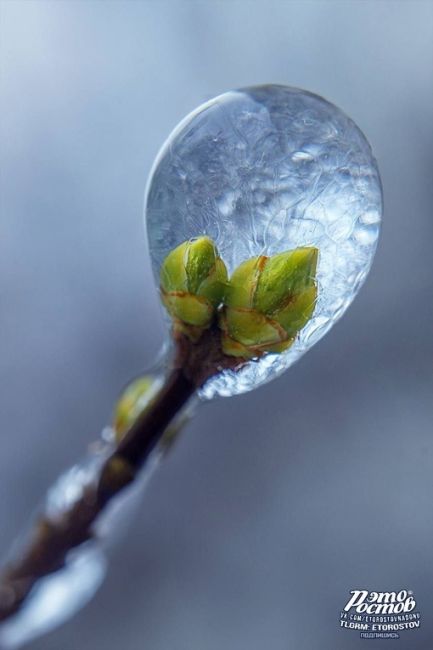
262,170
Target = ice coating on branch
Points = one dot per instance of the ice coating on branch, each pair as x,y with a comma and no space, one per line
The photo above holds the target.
56,597
260,171
60,595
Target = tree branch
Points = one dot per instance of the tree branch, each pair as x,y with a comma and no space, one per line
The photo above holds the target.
54,537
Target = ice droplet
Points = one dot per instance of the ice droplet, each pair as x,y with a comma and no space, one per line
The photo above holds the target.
262,170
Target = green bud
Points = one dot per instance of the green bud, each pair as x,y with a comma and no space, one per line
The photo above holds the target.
284,276
193,280
268,301
132,402
137,397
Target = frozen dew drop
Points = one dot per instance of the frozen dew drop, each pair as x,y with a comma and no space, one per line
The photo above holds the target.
262,170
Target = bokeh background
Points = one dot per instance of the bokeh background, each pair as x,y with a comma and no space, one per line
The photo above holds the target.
275,504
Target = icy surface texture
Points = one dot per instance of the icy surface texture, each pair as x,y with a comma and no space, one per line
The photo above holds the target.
263,170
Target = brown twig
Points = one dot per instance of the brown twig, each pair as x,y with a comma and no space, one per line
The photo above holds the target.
54,537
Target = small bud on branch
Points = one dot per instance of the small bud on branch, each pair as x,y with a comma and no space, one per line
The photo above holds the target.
193,280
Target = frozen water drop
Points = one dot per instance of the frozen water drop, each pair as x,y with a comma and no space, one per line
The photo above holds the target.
263,170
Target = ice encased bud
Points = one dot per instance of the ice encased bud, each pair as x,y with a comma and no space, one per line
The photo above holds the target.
267,303
192,282
263,170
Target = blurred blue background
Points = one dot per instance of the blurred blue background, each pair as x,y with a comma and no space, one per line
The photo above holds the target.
277,503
